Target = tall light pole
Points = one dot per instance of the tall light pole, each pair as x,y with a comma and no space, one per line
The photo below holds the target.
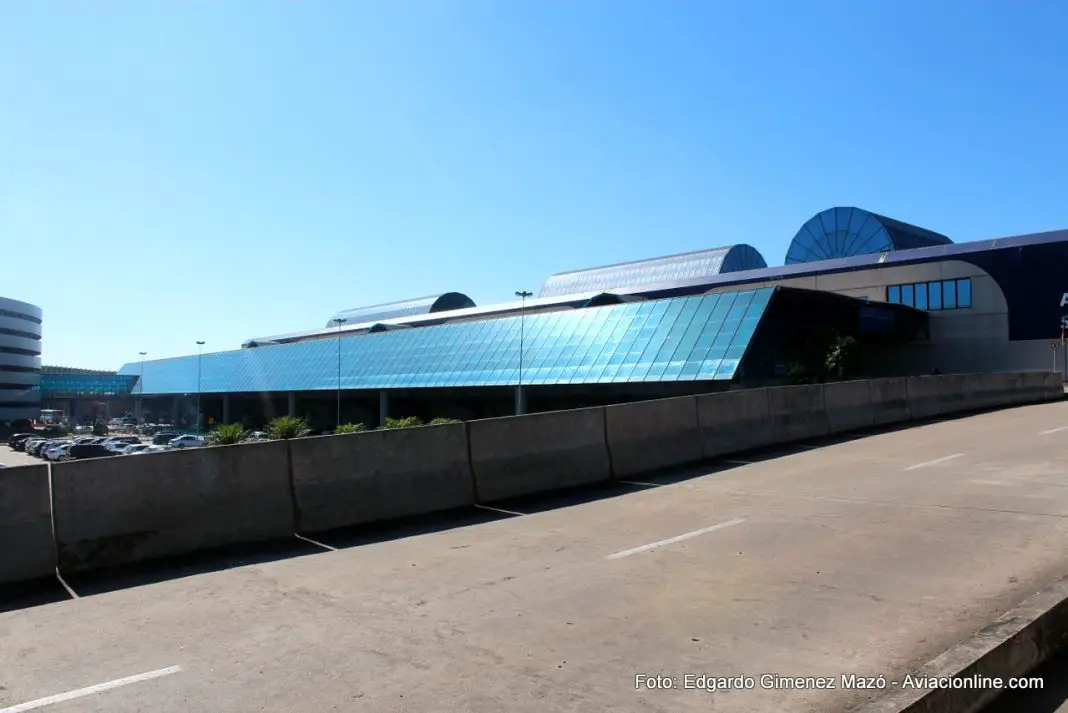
141,392
339,321
522,295
200,358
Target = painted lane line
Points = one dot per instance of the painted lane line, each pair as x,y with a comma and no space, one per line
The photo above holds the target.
484,507
1054,430
91,690
671,540
315,542
936,461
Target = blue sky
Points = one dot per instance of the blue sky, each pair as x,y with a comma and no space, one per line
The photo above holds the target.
218,170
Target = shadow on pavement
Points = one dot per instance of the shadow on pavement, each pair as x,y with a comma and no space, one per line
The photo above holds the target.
407,527
25,595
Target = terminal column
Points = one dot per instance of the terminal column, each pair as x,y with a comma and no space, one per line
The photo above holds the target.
383,407
292,404
226,408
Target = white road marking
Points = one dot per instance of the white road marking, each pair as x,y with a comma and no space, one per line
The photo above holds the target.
640,483
484,507
91,690
309,540
670,540
936,461
73,594
739,462
1054,430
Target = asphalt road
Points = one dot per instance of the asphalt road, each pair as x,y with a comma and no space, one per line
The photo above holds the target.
868,557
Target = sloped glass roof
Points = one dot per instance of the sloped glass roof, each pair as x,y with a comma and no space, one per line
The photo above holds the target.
88,384
703,337
686,266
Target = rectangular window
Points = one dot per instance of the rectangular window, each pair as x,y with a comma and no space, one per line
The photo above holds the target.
934,290
893,294
949,294
907,296
964,292
921,296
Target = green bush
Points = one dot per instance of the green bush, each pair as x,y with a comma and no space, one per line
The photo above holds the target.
350,428
441,420
403,422
287,427
227,434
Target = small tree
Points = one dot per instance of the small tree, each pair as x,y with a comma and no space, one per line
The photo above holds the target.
840,356
350,428
227,434
287,427
402,422
441,420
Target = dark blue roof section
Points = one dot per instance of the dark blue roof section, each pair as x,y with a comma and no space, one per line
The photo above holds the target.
404,308
685,266
845,232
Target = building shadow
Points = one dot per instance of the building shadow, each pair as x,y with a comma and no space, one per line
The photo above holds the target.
359,535
26,595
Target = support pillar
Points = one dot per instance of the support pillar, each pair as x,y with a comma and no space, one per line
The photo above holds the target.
383,407
520,401
226,408
175,405
292,403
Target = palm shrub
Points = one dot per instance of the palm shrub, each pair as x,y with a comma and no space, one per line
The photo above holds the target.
350,428
287,427
441,420
227,434
403,422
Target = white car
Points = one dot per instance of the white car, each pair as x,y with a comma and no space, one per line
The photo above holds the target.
135,448
58,451
116,447
187,442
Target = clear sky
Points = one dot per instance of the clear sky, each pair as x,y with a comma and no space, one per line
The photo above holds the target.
219,170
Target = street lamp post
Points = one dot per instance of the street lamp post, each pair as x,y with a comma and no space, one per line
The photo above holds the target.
522,295
141,392
339,321
200,358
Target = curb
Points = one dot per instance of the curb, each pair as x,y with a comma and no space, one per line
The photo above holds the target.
1014,645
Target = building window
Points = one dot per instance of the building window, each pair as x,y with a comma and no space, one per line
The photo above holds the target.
933,296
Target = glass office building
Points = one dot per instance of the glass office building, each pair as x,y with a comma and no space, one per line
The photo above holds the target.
20,360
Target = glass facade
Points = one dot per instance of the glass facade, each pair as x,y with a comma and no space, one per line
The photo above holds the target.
682,339
88,384
845,232
933,296
661,270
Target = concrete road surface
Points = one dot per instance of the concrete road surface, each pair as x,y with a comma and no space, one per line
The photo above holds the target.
867,557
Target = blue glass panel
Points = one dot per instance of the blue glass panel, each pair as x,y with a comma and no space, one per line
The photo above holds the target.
964,292
907,295
921,295
934,295
949,294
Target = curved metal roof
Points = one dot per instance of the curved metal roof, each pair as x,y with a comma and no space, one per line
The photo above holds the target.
684,266
404,308
847,232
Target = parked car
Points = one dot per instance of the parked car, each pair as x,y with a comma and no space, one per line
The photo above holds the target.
88,450
33,446
58,451
187,441
116,447
18,440
135,448
164,437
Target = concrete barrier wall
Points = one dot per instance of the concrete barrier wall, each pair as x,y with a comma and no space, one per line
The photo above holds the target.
537,453
734,421
953,393
889,401
116,510
797,413
366,477
848,406
646,436
26,548
924,393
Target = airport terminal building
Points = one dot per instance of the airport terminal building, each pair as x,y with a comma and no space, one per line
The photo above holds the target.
913,300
